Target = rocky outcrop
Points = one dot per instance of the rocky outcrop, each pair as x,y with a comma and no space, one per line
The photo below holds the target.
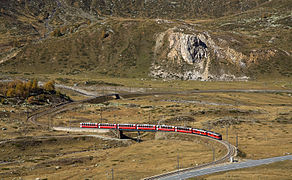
189,48
191,57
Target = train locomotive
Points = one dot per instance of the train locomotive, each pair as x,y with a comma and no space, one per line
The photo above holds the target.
151,127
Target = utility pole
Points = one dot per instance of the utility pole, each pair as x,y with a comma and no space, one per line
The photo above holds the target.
138,139
100,113
27,115
236,144
149,116
177,162
50,122
213,149
237,110
112,173
27,112
226,133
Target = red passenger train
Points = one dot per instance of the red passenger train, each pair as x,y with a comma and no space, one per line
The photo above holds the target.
151,127
146,127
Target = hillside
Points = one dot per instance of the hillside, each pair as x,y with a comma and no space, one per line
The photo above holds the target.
189,39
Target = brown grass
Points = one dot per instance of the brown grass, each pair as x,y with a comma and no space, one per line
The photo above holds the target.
278,170
262,122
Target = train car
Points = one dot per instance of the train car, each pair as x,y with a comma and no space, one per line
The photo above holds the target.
218,136
165,128
88,125
196,131
203,132
129,127
107,126
214,135
183,129
146,127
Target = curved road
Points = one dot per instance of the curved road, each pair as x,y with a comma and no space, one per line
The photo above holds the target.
226,167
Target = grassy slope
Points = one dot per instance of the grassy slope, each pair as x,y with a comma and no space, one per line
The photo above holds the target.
264,28
128,50
184,9
124,52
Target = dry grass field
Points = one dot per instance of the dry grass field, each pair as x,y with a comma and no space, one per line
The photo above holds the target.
278,170
263,120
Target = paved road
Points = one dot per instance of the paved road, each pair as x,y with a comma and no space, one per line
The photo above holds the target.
226,167
243,91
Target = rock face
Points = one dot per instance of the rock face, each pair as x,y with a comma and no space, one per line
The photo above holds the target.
191,57
189,48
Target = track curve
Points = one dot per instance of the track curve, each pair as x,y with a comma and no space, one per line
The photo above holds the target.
231,151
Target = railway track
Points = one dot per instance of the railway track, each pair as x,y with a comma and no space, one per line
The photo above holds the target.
231,151
55,109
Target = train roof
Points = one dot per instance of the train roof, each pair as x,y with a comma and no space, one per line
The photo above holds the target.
184,127
165,125
107,123
214,133
145,125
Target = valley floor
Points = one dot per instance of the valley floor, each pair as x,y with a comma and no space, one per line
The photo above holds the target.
257,122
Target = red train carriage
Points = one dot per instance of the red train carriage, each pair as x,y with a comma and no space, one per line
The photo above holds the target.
88,125
127,126
214,135
165,128
218,136
107,126
146,127
196,131
183,129
203,132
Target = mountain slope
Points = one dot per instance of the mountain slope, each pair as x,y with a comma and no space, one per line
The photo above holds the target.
120,38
